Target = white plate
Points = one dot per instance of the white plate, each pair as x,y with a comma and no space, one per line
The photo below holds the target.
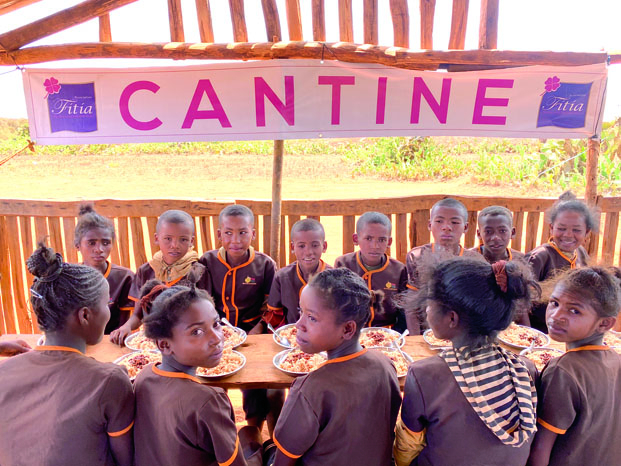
427,334
276,335
280,356
389,331
129,339
226,374
41,340
536,349
241,332
610,336
546,338
394,353
157,356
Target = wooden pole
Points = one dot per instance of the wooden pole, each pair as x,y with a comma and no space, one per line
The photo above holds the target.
590,193
276,200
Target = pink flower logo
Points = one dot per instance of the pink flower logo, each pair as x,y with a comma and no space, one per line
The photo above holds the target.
51,86
553,84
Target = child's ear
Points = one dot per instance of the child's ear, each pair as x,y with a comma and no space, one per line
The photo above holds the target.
325,247
606,323
389,242
454,319
349,329
479,235
164,346
219,234
84,316
354,237
466,227
291,245
192,241
254,234
156,240
512,232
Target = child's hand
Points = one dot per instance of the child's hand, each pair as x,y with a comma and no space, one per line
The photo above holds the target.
11,348
258,329
118,336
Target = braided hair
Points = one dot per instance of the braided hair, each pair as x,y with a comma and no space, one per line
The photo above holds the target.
347,295
164,306
60,288
88,220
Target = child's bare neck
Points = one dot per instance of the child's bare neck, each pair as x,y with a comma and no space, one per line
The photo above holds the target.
65,339
345,349
493,258
597,339
234,262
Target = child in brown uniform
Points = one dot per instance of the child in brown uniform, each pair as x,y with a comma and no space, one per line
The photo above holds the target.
475,403
57,406
570,223
495,231
308,243
380,272
344,412
180,420
239,279
580,391
447,223
93,237
174,234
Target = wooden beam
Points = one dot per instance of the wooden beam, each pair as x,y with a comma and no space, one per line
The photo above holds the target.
272,21
205,27
590,193
238,18
105,33
400,22
427,12
459,21
294,19
488,26
370,22
57,22
276,200
355,53
7,6
346,28
615,58
175,20
319,20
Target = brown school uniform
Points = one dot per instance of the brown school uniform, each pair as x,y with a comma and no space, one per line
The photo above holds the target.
417,253
284,299
179,420
391,278
548,258
120,280
343,413
580,400
512,254
455,434
59,407
239,292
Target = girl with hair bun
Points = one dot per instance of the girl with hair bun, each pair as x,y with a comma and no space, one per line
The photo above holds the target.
80,411
93,237
474,403
180,420
344,412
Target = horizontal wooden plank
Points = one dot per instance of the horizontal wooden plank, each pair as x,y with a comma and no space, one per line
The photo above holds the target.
354,53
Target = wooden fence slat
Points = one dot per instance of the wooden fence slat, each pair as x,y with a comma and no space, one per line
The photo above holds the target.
71,253
105,32
471,234
349,228
27,241
427,12
41,231
151,225
401,229
140,255
532,224
610,237
346,28
123,243
294,22
175,20
400,22
19,298
56,240
238,18
488,25
205,232
267,232
284,247
459,20
205,27
319,21
272,21
419,228
370,22
545,231
518,224
7,320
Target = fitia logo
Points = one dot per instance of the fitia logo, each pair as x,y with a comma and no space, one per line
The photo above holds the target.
71,107
250,281
390,286
563,105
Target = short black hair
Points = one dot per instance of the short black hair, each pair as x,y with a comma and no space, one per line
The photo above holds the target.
451,204
373,217
236,210
176,217
88,220
597,285
307,224
568,202
496,211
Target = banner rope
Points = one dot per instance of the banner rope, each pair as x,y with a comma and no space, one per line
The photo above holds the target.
30,146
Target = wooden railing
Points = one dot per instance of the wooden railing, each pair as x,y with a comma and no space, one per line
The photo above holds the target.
24,222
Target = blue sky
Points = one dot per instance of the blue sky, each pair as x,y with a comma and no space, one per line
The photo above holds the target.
558,25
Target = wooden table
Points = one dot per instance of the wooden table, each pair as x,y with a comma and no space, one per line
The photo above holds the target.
259,371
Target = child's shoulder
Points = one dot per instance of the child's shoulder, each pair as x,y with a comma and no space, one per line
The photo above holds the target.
120,270
418,251
395,264
261,257
287,269
209,256
345,260
542,250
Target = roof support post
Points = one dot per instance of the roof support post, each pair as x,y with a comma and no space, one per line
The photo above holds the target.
276,200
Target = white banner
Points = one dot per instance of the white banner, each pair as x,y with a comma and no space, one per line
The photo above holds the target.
303,99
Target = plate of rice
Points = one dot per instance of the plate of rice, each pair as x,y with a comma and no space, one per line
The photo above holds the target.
371,337
296,362
231,363
287,333
137,360
520,336
541,356
233,336
435,342
401,363
612,338
138,341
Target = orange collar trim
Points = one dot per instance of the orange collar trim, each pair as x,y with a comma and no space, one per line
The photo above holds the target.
222,258
345,358
571,260
509,254
108,269
174,375
590,348
320,268
461,249
57,348
368,273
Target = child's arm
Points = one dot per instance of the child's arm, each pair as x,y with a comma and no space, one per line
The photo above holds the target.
542,447
118,336
408,444
118,406
13,347
123,449
283,460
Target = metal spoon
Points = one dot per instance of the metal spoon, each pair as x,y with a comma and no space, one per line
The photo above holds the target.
282,340
225,321
395,345
405,333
